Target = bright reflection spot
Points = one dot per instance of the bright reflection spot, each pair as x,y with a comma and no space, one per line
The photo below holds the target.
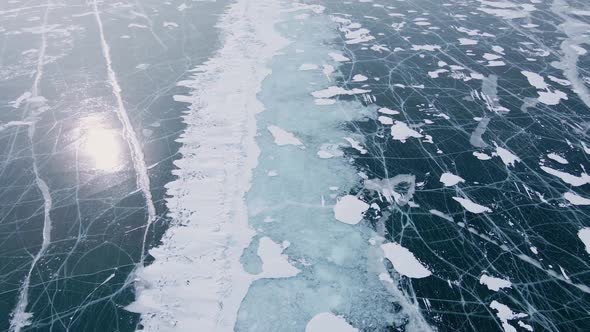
101,144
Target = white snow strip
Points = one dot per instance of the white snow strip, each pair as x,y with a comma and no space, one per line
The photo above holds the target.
327,321
505,314
404,261
576,199
481,155
24,97
575,181
467,41
356,145
139,165
584,235
546,96
350,210
450,179
386,110
338,57
494,283
558,158
283,137
274,263
20,318
490,56
437,72
425,47
441,214
401,132
337,91
508,158
308,66
359,78
196,282
471,206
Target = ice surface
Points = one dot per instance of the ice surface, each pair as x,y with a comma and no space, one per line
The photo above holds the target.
369,165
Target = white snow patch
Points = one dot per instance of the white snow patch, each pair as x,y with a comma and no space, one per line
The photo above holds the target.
575,181
328,322
274,263
441,214
584,235
546,96
404,261
425,47
197,282
385,120
283,137
558,158
490,56
504,314
576,199
359,78
336,91
338,57
356,145
471,206
481,155
308,66
450,179
350,210
494,283
508,158
467,41
401,132
386,110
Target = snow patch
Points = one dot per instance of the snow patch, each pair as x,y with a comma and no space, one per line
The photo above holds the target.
350,210
283,137
327,321
404,261
471,206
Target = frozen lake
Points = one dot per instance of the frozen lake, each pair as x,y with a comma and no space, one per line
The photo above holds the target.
249,165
